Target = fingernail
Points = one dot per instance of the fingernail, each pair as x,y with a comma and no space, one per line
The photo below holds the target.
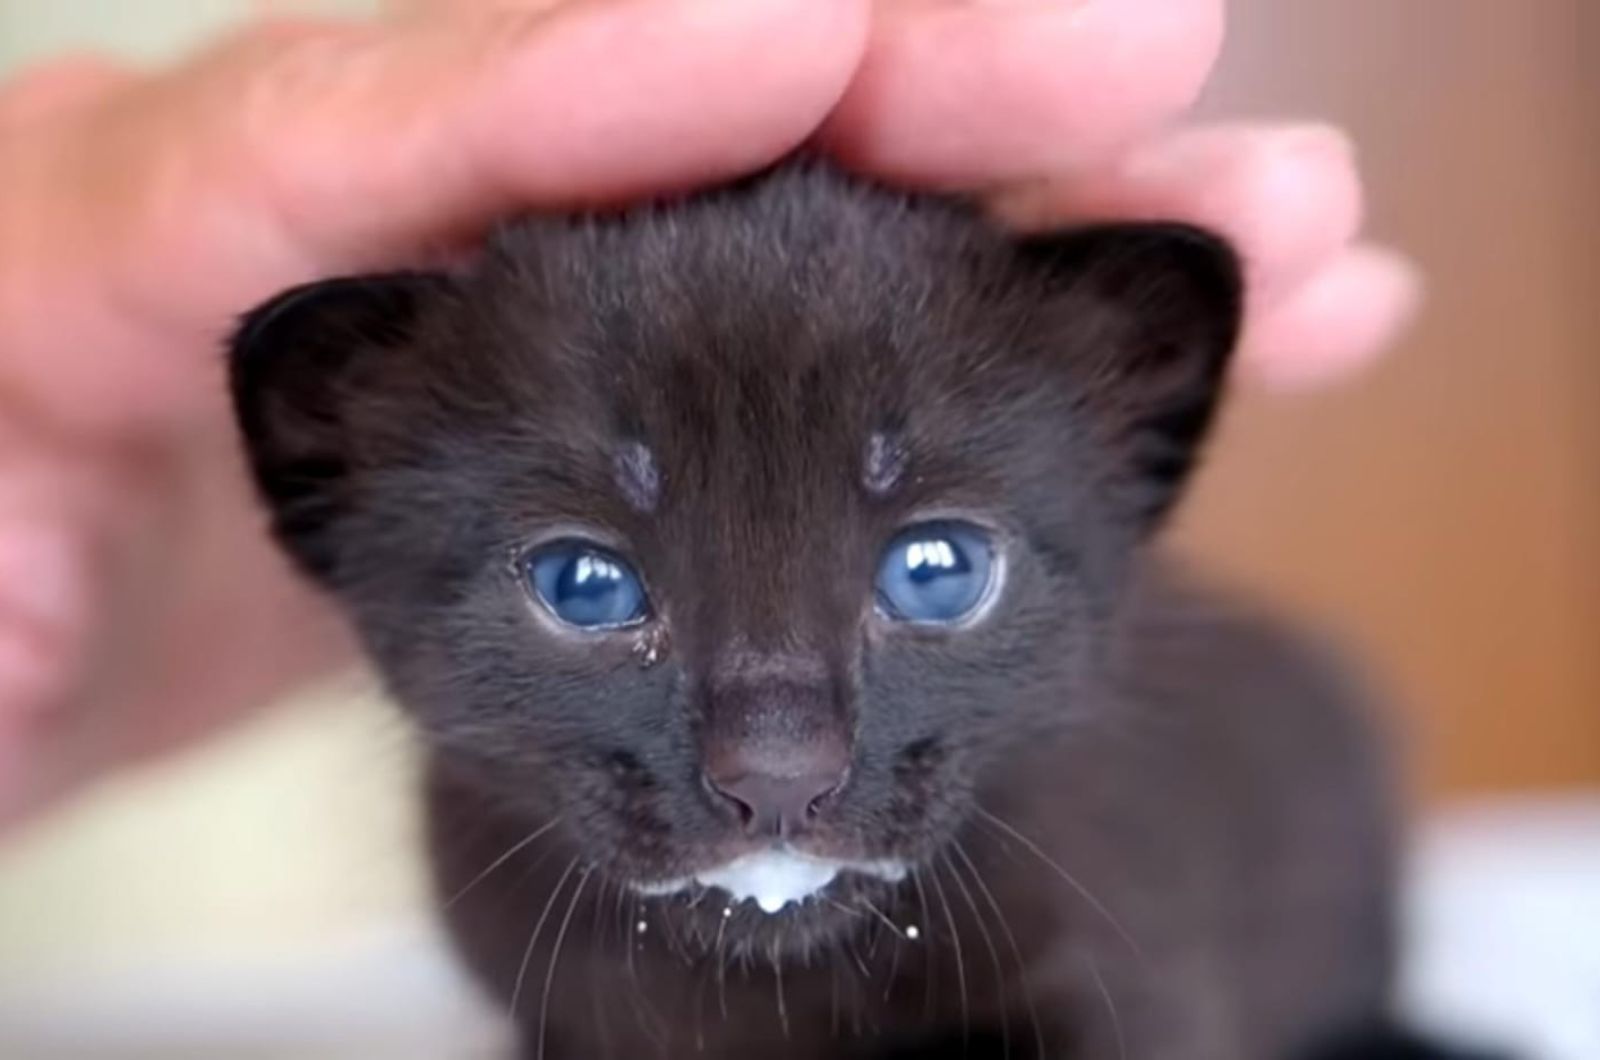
1314,139
1203,148
1341,322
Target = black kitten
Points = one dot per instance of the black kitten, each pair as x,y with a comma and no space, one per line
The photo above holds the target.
768,574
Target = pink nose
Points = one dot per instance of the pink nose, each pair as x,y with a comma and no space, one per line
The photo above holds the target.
778,794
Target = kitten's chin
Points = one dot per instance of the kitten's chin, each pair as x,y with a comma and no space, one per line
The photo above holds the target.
774,878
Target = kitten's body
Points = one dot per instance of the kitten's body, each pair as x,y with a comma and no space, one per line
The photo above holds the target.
1138,821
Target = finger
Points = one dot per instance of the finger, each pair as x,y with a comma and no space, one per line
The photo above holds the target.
408,7
959,93
1287,197
310,150
1339,320
58,86
364,142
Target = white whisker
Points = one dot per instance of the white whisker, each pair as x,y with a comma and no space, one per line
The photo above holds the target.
597,932
777,974
1011,942
1082,891
929,950
644,1013
961,961
890,924
516,848
1111,1007
527,954
994,955
555,956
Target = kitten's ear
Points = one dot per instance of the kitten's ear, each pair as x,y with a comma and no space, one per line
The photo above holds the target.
1164,303
293,374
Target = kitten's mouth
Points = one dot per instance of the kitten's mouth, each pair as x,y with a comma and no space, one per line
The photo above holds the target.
775,877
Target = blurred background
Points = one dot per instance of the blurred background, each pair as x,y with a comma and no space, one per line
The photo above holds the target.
1442,513
1445,510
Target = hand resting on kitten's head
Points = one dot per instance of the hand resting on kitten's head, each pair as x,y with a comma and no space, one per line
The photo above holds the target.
140,605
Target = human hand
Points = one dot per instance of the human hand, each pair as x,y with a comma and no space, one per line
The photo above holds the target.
140,602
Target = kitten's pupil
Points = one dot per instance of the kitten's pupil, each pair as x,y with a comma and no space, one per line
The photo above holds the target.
936,573
586,586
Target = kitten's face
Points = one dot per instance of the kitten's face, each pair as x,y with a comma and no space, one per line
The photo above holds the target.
755,524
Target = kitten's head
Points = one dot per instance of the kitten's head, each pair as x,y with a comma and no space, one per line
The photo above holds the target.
756,522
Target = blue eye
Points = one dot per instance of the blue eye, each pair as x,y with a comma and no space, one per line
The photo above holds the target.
936,573
585,586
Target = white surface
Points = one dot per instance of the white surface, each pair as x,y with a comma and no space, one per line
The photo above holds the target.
1505,921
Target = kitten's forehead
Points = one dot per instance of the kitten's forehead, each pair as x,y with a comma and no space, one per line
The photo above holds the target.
701,374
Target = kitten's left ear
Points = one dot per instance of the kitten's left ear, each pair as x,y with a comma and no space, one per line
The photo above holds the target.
300,367
1162,305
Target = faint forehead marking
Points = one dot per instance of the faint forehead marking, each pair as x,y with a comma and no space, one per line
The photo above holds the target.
637,476
885,463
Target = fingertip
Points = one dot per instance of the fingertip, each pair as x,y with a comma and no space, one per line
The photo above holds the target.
363,143
671,94
1287,196
1337,322
970,95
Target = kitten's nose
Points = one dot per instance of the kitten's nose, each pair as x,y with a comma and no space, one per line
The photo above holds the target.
778,794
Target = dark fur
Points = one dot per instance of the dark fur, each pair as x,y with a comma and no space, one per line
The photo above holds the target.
747,393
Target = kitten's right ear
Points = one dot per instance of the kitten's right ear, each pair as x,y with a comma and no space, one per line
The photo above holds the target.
292,374
1165,302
